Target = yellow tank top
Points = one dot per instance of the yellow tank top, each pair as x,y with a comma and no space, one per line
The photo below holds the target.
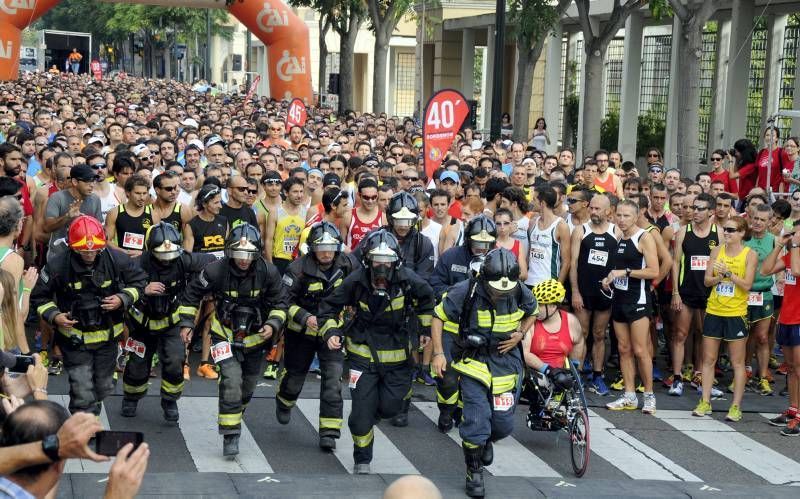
287,233
727,299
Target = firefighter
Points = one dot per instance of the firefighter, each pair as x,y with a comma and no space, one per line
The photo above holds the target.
309,279
153,321
455,265
492,311
249,312
386,297
84,293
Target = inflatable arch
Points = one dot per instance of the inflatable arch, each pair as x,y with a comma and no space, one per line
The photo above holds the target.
283,33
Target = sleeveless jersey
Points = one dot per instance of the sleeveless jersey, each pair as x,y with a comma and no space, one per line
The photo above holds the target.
696,251
552,348
608,185
791,294
131,229
238,216
287,233
727,299
108,202
763,247
359,228
630,290
544,251
515,246
209,237
594,259
174,217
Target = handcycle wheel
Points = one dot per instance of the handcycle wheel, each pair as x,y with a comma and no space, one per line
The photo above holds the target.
579,442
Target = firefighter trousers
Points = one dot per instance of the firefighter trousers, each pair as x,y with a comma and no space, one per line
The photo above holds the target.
91,374
237,381
374,396
171,353
447,386
297,357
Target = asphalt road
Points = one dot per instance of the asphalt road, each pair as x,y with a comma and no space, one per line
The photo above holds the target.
671,454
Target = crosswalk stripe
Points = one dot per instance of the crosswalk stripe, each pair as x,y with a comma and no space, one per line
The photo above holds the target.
386,457
631,456
198,424
511,458
84,465
739,448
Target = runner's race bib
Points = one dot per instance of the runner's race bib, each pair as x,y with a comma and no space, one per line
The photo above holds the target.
131,240
354,377
597,257
698,262
537,253
503,402
136,347
725,288
755,299
621,283
789,278
221,351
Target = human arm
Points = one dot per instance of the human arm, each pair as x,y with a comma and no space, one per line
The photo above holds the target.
562,234
664,259
677,304
576,333
269,238
127,472
713,275
188,238
111,228
276,301
575,249
438,360
329,311
773,264
523,260
54,219
295,284
794,252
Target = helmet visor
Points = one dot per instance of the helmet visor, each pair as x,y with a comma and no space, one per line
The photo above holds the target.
325,247
503,285
241,254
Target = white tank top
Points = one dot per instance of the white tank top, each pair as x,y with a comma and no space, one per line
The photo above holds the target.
544,253
108,202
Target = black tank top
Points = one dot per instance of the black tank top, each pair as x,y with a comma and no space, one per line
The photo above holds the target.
696,251
238,216
630,290
595,259
209,237
174,217
131,230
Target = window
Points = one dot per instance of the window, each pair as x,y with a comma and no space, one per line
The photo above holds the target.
405,81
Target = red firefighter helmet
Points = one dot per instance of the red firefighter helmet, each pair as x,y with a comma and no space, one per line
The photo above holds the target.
86,234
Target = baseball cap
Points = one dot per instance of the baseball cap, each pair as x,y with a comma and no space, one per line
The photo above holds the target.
197,144
96,140
83,172
371,160
138,149
190,122
448,175
333,145
315,171
527,161
215,139
331,179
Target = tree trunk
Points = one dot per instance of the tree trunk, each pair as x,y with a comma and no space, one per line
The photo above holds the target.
592,99
522,97
346,63
688,102
379,74
323,55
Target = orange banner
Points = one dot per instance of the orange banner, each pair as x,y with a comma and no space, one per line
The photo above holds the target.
10,42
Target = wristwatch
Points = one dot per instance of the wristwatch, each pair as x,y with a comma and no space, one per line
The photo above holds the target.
727,275
628,272
794,245
50,447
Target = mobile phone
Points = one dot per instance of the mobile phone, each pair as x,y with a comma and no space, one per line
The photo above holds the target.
22,363
108,443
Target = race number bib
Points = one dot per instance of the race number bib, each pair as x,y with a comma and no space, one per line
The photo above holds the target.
221,351
621,283
698,262
503,402
135,347
537,253
289,245
131,240
597,257
755,299
725,288
354,377
789,278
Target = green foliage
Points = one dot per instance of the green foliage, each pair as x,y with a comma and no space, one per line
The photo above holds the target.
660,9
530,20
609,130
572,106
477,72
651,130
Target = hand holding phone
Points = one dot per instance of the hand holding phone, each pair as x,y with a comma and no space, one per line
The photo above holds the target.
22,363
108,443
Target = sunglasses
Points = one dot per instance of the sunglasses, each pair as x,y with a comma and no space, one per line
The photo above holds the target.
502,224
168,189
275,129
651,155
292,160
275,181
98,166
411,179
716,159
699,208
368,198
213,192
252,191
240,189
730,230
573,200
655,170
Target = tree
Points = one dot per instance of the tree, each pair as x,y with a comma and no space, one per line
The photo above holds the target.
596,37
384,16
692,17
326,10
347,19
532,21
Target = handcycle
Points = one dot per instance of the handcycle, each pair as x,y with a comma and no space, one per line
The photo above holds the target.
557,403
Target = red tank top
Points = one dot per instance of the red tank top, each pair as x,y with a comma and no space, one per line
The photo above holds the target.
514,248
358,228
608,185
552,348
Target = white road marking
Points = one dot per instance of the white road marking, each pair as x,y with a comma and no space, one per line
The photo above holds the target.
386,457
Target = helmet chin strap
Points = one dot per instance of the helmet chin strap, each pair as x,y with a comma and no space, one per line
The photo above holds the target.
547,317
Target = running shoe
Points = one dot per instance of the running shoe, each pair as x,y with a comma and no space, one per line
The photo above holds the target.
613,361
764,388
734,414
649,405
640,388
724,363
624,404
587,367
769,377
783,368
697,380
657,374
424,377
703,409
598,386
44,358
618,385
271,371
781,419
773,362
314,366
687,372
56,366
207,371
792,428
187,372
676,389
715,392
668,381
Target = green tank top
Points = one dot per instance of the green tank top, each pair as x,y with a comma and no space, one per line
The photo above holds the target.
4,252
763,247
